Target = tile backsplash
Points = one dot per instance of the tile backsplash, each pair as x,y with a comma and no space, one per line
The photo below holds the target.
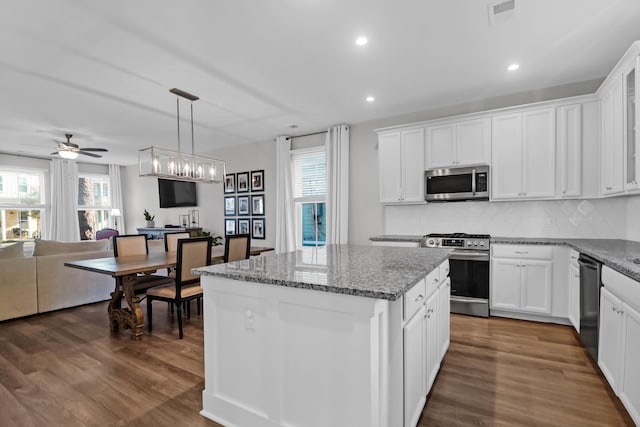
598,218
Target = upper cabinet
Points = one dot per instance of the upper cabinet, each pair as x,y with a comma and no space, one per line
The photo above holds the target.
401,166
631,138
569,166
524,155
612,142
460,143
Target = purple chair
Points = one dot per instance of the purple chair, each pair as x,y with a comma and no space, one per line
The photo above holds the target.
106,233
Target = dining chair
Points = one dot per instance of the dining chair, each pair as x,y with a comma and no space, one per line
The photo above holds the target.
136,244
191,253
237,247
171,240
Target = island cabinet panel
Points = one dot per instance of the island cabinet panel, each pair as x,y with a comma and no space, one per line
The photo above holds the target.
278,355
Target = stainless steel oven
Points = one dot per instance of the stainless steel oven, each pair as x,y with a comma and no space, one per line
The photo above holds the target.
468,270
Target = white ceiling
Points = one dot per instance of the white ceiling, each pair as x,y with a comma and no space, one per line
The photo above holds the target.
102,70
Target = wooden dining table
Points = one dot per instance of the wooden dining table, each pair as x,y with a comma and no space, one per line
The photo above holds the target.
125,270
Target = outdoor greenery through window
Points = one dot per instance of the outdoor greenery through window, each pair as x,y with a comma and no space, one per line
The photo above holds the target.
94,204
310,194
22,205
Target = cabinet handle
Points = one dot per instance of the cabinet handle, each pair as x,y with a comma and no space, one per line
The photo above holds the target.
608,188
435,280
614,309
419,298
577,276
521,252
564,191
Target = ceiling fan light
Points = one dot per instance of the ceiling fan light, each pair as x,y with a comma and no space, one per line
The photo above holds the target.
69,155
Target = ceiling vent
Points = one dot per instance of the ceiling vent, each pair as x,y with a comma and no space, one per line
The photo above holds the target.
501,10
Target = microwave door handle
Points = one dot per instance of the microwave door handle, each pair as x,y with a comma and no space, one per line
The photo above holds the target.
473,181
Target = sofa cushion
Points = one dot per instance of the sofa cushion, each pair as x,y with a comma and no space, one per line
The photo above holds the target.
51,247
12,251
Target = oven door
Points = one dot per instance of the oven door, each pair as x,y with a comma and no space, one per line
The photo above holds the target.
469,274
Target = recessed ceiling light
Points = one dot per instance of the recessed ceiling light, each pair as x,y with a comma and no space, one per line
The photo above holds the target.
361,41
370,99
293,126
513,67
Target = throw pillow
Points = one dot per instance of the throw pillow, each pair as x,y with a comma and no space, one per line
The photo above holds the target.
52,247
12,251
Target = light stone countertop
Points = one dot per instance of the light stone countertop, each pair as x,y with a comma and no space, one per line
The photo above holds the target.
368,271
397,238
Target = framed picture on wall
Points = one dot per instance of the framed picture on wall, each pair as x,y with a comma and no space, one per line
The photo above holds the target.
243,205
257,180
257,228
230,183
229,227
257,204
243,182
230,206
243,226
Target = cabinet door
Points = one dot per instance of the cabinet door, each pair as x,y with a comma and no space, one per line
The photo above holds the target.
629,390
609,336
539,153
574,296
431,340
536,286
631,157
415,373
473,142
444,317
506,155
612,141
413,165
570,150
440,146
389,160
505,284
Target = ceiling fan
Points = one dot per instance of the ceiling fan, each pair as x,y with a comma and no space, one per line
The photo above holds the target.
69,150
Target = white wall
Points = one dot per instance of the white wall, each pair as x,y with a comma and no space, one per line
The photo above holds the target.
140,193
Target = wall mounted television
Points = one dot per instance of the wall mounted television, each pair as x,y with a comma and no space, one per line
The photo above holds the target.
175,194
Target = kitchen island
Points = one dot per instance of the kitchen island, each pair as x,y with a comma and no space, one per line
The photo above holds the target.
341,336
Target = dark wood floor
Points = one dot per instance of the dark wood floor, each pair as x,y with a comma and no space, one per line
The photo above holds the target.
65,369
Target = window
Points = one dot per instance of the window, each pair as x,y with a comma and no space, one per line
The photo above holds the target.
94,204
309,168
22,205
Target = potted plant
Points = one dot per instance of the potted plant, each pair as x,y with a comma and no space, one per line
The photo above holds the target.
217,240
149,219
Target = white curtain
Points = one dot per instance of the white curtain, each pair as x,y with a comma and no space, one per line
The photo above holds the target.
115,186
285,220
63,221
337,146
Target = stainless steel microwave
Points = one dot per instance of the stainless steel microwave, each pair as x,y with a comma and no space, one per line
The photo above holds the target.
456,184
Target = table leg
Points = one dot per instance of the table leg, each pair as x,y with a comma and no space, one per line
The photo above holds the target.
130,317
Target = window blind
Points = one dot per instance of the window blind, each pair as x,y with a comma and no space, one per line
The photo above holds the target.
310,174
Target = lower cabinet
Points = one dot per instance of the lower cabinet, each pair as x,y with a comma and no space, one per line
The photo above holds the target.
426,340
619,340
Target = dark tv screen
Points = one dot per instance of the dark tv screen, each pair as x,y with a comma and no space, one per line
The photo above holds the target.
174,194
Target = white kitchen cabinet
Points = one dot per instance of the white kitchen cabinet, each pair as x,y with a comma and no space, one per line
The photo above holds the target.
401,166
630,116
619,338
521,278
431,340
612,140
574,296
444,316
524,155
415,367
458,144
569,167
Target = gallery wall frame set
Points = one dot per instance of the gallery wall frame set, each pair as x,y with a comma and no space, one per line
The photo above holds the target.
241,202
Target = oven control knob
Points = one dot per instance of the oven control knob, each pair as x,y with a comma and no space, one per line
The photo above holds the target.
475,243
431,243
481,243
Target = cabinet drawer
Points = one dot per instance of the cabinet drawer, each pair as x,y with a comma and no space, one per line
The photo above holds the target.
444,271
413,299
522,251
624,287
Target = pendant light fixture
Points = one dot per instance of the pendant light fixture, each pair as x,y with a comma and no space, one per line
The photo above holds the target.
177,165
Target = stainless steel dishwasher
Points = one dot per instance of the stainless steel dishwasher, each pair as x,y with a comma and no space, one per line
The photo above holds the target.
589,303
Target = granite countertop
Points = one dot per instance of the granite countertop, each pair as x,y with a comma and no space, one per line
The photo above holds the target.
368,271
397,238
621,255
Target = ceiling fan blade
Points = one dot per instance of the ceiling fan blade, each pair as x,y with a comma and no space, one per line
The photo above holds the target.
94,149
88,154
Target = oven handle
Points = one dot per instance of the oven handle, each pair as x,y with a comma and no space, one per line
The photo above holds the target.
469,300
469,256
